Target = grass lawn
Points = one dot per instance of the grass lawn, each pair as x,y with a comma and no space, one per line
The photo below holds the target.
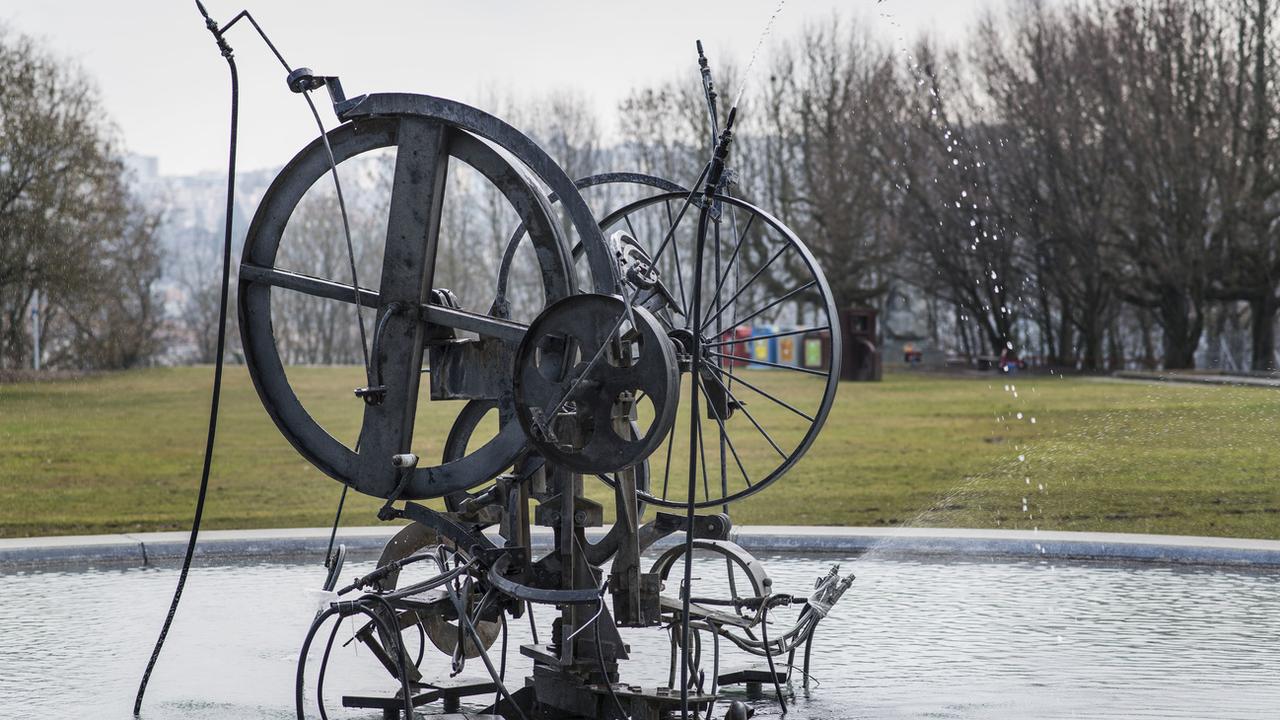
122,452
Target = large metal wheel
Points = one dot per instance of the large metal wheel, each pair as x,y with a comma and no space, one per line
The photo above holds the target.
476,347
759,414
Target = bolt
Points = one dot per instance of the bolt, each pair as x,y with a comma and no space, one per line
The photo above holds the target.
404,460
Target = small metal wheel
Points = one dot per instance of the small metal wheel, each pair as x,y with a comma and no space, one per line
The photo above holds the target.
441,631
579,374
469,352
770,345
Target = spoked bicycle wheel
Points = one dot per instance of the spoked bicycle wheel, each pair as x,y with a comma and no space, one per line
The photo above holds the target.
771,346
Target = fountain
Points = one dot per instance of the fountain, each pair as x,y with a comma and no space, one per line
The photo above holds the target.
633,330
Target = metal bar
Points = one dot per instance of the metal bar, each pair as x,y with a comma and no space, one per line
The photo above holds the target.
408,268
666,475
478,323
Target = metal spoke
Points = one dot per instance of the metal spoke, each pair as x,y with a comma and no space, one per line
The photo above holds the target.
794,292
770,336
307,284
724,434
724,469
736,249
735,378
486,325
796,368
409,256
745,285
675,251
742,406
684,207
630,228
666,475
702,452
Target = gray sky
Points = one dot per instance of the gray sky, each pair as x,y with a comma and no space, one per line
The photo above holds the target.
165,86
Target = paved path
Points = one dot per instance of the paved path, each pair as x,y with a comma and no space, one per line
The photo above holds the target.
1199,378
167,548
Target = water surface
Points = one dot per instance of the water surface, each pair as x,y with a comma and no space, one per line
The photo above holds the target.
911,639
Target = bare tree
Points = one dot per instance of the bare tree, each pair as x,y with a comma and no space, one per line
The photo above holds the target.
67,227
118,321
1249,251
828,172
1056,161
949,210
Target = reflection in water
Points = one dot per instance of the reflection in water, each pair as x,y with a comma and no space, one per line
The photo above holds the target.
910,639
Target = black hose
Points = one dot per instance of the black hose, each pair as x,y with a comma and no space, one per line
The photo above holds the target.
356,606
768,654
324,667
464,621
604,670
217,371
422,639
329,559
502,665
302,658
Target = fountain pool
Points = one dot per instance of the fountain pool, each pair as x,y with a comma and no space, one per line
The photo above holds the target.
911,639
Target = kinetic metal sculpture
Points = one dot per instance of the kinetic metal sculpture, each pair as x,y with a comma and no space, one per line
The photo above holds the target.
632,347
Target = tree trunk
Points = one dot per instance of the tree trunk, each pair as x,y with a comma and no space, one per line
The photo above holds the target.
963,328
1182,325
1116,360
1091,337
1066,340
1262,318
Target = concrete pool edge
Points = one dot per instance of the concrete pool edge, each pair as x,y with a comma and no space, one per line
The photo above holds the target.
147,548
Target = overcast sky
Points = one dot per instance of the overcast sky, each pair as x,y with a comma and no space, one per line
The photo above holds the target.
165,86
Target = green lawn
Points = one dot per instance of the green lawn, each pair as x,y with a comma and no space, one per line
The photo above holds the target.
122,452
